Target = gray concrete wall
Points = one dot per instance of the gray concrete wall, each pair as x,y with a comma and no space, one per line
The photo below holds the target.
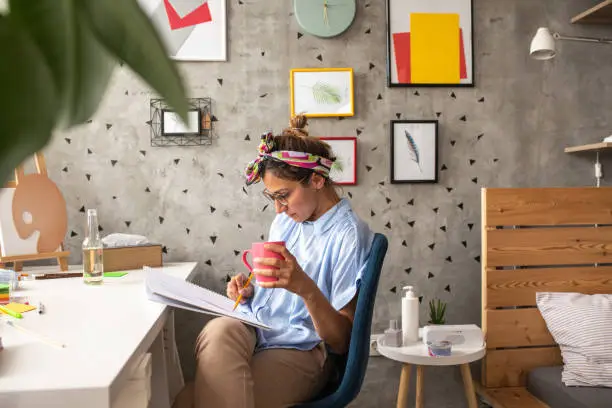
196,206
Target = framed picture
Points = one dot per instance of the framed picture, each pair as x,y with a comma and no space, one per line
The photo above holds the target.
430,43
192,30
173,125
344,171
321,92
168,129
414,151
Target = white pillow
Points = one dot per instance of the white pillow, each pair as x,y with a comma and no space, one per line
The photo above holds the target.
582,326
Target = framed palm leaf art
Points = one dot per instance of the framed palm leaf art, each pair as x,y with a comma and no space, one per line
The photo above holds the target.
322,92
414,151
344,170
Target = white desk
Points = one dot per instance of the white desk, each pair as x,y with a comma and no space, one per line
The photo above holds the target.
106,330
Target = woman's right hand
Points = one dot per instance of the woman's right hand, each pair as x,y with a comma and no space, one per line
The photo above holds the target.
235,288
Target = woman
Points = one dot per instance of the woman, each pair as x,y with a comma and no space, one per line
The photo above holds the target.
310,307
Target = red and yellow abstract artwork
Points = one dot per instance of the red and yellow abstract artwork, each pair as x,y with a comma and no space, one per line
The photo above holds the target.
191,30
430,47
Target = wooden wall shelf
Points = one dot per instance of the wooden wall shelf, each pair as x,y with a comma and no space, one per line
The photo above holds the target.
589,147
601,13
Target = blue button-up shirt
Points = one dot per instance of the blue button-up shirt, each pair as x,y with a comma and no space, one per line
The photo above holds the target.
332,251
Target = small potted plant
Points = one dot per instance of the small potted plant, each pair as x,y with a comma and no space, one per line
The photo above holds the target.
437,312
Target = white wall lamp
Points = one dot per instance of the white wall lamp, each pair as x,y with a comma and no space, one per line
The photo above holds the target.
543,43
543,48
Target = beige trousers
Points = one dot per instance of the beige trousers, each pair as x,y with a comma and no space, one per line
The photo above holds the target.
229,374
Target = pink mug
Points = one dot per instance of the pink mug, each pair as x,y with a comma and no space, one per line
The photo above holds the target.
258,251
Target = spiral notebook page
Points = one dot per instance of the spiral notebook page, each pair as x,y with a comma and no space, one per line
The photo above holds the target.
167,289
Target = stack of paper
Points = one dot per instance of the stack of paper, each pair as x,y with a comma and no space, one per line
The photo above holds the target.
166,289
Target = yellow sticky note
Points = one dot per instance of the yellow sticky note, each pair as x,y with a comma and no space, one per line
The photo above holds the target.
19,307
434,48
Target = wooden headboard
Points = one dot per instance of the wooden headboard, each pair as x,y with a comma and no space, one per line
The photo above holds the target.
537,240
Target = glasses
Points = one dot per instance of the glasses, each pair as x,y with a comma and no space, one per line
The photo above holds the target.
282,198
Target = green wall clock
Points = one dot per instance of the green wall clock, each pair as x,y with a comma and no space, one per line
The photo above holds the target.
325,18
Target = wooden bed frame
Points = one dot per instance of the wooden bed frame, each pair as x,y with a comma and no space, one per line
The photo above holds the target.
535,240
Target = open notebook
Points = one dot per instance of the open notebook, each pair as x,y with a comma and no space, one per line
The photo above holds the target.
163,288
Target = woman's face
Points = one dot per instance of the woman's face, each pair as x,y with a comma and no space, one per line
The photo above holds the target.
293,198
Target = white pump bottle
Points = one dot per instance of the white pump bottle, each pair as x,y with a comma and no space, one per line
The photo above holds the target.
410,317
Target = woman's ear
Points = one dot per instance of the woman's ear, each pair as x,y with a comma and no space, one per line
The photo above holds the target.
317,181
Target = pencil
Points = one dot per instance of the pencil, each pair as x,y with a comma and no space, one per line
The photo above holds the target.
239,294
59,275
40,337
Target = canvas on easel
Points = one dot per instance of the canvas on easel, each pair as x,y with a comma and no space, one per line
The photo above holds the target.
33,218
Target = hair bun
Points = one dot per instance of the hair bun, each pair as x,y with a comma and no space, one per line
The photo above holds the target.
299,125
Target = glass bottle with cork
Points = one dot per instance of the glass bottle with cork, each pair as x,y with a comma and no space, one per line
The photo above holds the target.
93,268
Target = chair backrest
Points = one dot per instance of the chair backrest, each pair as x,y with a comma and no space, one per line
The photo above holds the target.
359,348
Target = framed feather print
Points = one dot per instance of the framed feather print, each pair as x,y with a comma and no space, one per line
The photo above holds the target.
322,92
414,151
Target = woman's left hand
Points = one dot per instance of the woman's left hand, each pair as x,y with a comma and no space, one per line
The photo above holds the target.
289,273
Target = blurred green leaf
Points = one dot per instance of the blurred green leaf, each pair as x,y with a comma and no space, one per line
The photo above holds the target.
57,60
81,67
129,34
28,105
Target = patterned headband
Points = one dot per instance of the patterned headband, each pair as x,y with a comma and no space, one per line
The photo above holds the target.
318,164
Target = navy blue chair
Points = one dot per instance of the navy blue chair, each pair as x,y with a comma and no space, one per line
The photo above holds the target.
355,362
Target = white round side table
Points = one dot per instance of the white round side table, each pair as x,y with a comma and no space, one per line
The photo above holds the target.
417,355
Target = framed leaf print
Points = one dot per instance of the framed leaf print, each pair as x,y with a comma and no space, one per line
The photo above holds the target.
430,43
322,92
414,151
344,170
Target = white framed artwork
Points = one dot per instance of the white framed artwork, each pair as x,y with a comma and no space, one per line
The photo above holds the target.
322,92
172,124
430,43
191,30
414,151
344,170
